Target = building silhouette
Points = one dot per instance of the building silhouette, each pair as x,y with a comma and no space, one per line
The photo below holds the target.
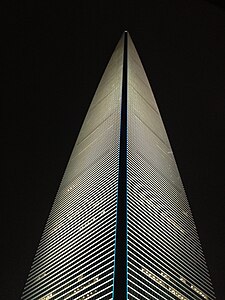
121,226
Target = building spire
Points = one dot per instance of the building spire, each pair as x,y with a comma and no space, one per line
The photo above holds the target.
121,226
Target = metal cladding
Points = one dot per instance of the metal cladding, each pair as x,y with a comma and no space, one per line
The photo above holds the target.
165,259
82,242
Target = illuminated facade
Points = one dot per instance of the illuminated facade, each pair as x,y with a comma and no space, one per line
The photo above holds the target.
120,227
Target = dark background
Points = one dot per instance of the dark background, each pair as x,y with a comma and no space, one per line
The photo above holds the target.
55,55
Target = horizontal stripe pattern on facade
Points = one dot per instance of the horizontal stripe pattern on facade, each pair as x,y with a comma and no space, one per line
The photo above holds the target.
75,257
165,259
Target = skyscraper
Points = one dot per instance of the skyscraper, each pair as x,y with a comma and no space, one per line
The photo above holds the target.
120,226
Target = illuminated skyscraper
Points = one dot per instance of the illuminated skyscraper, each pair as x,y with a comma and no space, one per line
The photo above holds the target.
120,227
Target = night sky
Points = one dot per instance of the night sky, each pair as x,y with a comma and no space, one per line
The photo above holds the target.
56,53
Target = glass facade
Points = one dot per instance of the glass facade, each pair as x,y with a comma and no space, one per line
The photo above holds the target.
76,257
165,259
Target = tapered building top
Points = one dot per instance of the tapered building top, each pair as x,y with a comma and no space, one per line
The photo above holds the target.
120,226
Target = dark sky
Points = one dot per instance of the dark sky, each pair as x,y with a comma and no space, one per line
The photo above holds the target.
55,55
